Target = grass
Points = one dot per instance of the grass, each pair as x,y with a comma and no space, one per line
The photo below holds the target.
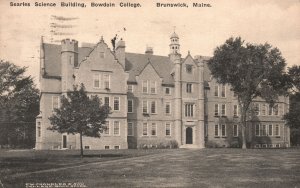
157,168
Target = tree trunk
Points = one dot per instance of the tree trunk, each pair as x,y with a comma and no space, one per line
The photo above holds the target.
243,112
81,147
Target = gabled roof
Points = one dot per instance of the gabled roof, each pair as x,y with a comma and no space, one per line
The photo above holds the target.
135,64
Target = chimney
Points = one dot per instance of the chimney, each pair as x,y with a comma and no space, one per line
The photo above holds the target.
120,52
149,50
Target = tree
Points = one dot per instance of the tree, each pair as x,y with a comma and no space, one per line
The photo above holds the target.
293,116
80,114
252,71
19,106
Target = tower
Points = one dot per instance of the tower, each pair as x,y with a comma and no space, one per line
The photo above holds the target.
175,57
174,45
69,60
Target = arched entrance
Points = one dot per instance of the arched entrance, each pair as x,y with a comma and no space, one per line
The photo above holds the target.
189,135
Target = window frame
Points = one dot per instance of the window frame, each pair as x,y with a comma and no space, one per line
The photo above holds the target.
235,109
153,86
145,130
118,126
223,91
128,102
166,129
166,105
155,107
97,76
216,91
216,110
189,87
132,128
119,102
223,110
153,125
145,106
235,130
216,130
145,86
223,128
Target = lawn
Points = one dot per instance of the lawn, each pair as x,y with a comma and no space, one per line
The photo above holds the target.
156,168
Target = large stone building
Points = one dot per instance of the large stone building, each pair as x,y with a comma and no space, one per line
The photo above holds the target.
156,101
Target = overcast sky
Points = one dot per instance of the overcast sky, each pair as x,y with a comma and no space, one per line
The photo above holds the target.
200,29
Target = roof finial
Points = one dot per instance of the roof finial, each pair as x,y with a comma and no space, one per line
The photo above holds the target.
101,40
174,27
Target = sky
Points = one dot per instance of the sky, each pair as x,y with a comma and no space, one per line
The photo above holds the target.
200,30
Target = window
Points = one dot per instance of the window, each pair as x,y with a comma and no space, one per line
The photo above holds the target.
263,130
86,147
235,130
101,54
216,109
106,81
153,107
168,129
277,130
130,106
223,91
189,68
223,130
275,110
145,129
55,102
270,131
97,78
117,103
256,108
153,129
216,130
189,88
106,128
153,87
223,109
116,128
145,107
168,108
106,147
39,129
263,109
106,101
235,110
116,147
189,110
270,110
168,91
257,128
130,129
216,91
145,86
130,88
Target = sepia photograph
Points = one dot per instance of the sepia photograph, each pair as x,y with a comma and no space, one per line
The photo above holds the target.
155,93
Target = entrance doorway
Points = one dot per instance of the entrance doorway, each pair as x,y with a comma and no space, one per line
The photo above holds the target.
189,135
64,141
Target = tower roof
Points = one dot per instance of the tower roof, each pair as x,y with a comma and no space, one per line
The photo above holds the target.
174,35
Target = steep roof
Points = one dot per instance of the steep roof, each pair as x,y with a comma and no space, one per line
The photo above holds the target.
135,64
53,58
